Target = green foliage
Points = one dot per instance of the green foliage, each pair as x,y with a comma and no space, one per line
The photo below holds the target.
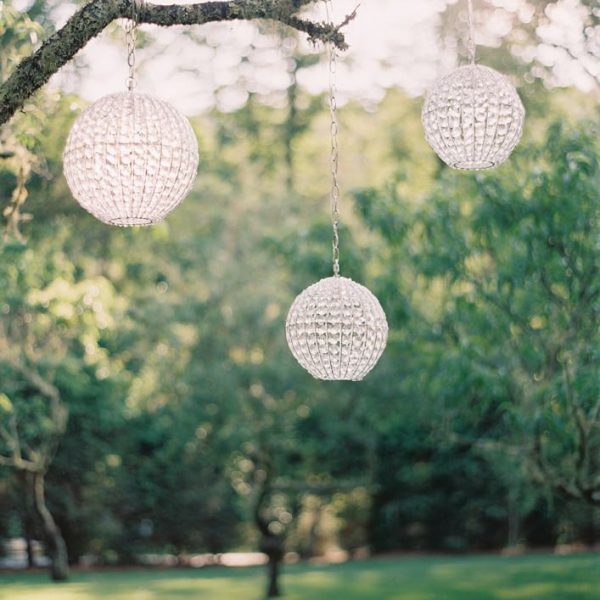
501,273
435,498
19,34
168,349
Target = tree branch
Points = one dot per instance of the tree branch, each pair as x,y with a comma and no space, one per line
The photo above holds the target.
59,414
546,475
16,460
571,487
582,448
34,71
19,464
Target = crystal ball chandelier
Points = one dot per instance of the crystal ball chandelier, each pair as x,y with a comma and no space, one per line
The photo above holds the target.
473,118
336,329
130,159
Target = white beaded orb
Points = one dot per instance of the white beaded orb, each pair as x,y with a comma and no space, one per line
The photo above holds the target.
130,159
336,329
473,118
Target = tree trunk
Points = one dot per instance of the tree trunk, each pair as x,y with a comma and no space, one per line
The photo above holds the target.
514,522
29,546
27,516
273,589
272,546
514,516
59,562
313,533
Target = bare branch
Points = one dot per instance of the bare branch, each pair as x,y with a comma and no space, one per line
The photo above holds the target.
33,72
19,463
572,487
42,457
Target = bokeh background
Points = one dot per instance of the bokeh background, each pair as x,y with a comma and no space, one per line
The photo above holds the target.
147,370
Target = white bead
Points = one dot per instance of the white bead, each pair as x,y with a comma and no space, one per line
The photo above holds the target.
473,118
130,159
336,329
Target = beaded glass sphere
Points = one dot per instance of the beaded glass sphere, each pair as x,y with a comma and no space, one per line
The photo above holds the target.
336,329
473,118
130,159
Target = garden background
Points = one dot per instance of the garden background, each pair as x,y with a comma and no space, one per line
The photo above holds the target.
145,372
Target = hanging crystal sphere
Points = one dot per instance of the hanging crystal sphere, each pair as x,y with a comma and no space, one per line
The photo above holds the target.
473,118
336,329
130,159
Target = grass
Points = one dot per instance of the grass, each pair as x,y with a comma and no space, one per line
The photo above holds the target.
533,577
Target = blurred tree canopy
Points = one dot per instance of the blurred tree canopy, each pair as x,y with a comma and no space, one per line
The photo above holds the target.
145,382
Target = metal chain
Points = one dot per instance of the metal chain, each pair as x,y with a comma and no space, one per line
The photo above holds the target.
471,38
131,26
334,158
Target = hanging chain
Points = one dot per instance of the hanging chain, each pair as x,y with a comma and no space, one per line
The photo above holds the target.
131,36
471,37
334,158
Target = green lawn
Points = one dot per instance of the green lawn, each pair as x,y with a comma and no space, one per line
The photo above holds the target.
432,578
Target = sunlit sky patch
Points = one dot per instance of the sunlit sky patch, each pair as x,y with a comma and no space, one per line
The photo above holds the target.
393,43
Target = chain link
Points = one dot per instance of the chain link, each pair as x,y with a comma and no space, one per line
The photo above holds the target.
131,26
471,38
334,157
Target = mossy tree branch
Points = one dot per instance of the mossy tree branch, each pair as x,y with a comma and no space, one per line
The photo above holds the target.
34,71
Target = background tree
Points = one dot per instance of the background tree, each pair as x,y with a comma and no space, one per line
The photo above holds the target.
508,264
50,330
